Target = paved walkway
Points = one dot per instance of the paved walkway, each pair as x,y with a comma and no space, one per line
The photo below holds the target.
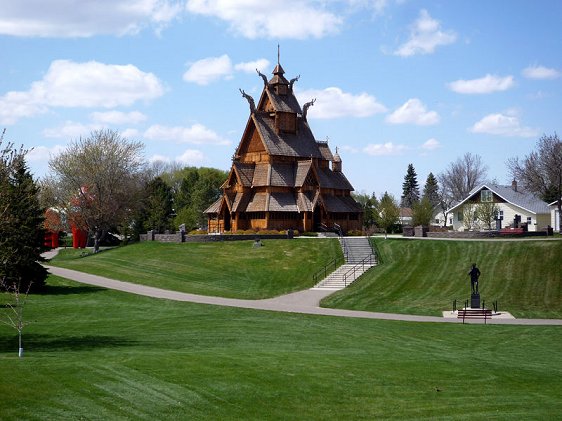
305,302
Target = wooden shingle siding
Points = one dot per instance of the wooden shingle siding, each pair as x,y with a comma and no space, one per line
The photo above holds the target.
281,176
282,202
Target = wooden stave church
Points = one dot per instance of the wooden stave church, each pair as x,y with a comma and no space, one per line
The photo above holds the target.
281,176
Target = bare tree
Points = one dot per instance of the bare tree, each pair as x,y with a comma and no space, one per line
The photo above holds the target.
541,171
98,180
469,216
487,213
462,176
14,316
446,201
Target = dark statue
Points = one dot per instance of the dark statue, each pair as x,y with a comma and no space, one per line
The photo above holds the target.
305,108
474,275
264,78
292,81
250,101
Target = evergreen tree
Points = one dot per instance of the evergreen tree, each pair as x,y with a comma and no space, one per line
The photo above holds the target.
158,205
410,188
369,205
199,188
21,224
388,212
431,191
422,212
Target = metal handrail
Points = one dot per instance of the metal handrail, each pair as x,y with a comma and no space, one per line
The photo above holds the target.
361,264
324,270
343,245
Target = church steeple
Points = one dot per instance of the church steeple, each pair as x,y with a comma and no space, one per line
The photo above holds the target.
278,82
336,163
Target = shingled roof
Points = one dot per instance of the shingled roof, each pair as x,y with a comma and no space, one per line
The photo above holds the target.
245,172
325,151
341,204
282,202
261,175
215,207
303,168
518,197
257,202
302,144
285,103
333,180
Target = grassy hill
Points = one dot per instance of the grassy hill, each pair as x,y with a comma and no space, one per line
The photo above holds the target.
97,354
424,277
232,269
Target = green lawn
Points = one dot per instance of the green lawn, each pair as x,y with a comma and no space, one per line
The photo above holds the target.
105,355
232,269
425,276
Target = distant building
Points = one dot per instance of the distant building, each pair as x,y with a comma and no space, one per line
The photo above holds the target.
281,177
517,207
405,216
554,216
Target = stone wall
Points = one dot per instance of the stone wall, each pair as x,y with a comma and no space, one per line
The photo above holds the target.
483,234
462,234
184,238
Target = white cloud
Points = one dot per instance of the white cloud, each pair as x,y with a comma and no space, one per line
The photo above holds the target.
191,157
413,112
483,85
43,153
251,66
130,133
377,6
210,69
71,130
71,84
425,36
272,19
383,149
431,144
196,134
79,18
334,103
118,117
159,158
503,125
541,72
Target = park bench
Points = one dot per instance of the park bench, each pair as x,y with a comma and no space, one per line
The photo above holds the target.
511,231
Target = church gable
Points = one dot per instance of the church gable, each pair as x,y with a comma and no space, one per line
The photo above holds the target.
281,176
251,141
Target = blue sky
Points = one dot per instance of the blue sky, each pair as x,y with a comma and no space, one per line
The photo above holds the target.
395,82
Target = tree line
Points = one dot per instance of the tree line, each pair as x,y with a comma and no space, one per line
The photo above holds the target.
540,173
103,185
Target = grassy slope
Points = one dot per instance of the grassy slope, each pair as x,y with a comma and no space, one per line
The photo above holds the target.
229,269
98,354
424,277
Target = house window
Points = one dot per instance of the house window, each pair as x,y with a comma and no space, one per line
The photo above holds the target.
486,196
529,220
501,215
460,216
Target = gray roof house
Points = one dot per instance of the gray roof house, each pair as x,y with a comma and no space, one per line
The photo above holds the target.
516,207
554,216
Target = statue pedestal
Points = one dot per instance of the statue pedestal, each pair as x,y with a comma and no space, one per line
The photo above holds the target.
475,300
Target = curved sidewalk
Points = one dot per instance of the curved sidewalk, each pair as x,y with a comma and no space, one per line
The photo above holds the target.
305,302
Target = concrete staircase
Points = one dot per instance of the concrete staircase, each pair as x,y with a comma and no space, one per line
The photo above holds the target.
359,258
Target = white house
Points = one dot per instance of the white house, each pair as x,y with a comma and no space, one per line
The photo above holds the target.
554,216
515,205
